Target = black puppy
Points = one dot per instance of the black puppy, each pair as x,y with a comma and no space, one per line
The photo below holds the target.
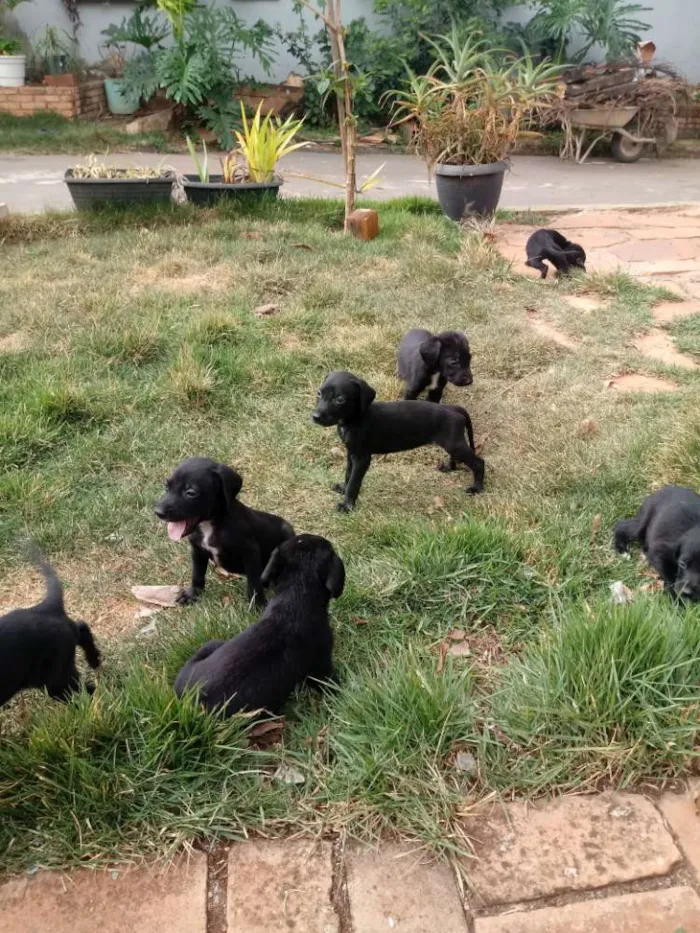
259,668
367,427
552,246
668,528
430,362
37,646
200,504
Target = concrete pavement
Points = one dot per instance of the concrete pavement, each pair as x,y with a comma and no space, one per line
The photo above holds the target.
34,183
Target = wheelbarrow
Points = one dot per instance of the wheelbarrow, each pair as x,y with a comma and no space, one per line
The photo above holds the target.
612,122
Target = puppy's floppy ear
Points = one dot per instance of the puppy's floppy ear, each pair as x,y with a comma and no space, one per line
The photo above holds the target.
274,565
430,352
231,482
367,394
335,581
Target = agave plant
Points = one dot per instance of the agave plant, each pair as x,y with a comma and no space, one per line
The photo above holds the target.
264,141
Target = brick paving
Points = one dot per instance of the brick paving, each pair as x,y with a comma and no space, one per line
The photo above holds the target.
611,863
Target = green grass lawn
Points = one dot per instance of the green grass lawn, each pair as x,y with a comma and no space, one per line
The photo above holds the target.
52,134
128,341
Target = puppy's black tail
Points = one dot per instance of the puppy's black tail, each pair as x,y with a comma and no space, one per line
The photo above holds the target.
53,600
87,643
626,532
470,430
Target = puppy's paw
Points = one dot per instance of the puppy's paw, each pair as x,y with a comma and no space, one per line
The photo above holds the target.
474,490
339,488
343,507
187,596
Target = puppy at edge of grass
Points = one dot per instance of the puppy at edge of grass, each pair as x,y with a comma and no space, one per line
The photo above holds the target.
201,504
367,427
37,645
667,527
291,643
429,361
555,248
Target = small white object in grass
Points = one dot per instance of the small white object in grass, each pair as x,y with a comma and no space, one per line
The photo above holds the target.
157,595
146,611
621,594
465,762
148,630
289,775
337,452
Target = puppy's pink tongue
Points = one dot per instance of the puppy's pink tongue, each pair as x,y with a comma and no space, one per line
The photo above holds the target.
176,530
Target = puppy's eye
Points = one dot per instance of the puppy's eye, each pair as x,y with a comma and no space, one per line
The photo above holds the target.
318,394
190,492
339,400
682,564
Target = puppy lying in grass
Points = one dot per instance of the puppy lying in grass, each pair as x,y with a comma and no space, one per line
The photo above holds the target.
426,361
37,646
293,641
201,504
367,427
668,528
555,248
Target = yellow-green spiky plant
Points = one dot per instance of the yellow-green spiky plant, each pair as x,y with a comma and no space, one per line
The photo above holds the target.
264,141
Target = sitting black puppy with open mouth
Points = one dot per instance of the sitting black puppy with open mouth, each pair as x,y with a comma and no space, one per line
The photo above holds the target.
555,248
293,641
668,528
201,504
426,361
367,427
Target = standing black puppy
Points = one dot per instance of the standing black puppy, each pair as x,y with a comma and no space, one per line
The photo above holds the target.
200,504
37,646
426,361
552,246
668,528
259,668
367,427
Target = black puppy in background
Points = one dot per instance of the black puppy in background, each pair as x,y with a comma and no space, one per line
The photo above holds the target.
668,528
200,504
367,427
555,248
260,667
426,361
37,646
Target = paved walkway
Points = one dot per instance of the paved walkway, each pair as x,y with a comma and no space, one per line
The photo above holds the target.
34,183
611,863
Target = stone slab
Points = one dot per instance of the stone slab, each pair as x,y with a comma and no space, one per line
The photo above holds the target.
668,248
281,885
657,345
393,889
681,812
154,899
673,910
573,844
666,311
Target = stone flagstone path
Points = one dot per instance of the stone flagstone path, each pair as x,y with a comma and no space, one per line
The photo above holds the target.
610,863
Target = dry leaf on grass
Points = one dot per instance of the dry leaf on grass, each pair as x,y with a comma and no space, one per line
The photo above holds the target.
456,634
146,611
266,310
251,235
157,595
358,620
465,762
588,427
595,526
441,659
337,452
654,586
302,246
459,649
621,593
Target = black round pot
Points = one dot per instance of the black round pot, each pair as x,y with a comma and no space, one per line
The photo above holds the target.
469,189
94,192
208,193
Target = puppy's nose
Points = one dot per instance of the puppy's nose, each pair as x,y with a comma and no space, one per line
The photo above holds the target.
316,417
160,510
469,380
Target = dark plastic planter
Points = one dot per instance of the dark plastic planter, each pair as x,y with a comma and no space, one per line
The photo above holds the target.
214,190
95,192
469,189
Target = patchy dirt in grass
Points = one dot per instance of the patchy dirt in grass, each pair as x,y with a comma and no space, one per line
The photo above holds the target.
549,331
668,311
15,343
657,345
640,382
179,276
583,303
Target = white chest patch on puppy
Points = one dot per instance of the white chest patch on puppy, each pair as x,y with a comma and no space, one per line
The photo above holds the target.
434,381
207,530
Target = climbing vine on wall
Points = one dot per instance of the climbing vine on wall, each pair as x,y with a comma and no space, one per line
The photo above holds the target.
71,7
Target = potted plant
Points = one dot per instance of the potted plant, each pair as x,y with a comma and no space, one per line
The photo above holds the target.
13,61
55,59
95,184
469,110
249,170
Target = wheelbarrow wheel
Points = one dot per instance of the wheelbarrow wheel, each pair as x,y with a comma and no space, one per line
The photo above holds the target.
624,149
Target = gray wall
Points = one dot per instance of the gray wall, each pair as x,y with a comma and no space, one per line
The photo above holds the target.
675,25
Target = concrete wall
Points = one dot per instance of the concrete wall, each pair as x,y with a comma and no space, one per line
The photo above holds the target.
675,26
